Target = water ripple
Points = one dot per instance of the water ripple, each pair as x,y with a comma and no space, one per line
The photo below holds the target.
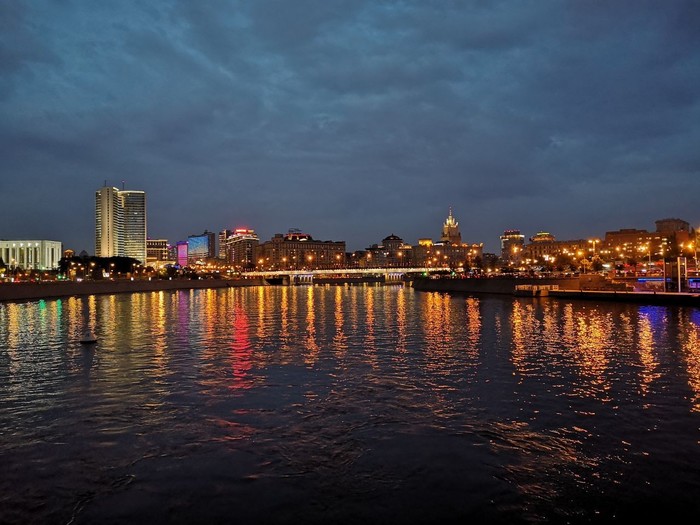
345,404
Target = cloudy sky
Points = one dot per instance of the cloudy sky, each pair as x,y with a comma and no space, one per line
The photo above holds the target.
350,120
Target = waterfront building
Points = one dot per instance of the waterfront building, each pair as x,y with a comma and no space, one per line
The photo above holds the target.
240,248
223,235
392,252
181,253
296,250
681,235
544,248
109,223
446,255
512,242
31,254
672,226
673,237
450,230
630,244
120,223
201,248
542,237
449,252
392,244
157,251
134,221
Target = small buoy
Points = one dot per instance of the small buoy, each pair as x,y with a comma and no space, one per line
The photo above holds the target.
88,338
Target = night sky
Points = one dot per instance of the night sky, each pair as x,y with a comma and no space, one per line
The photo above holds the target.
350,120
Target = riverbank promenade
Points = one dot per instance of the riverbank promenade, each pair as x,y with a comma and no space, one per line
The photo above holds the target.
27,291
558,288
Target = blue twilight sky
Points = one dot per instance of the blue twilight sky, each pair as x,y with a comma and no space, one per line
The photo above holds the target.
351,120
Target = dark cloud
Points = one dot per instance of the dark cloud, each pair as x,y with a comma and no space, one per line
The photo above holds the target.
350,119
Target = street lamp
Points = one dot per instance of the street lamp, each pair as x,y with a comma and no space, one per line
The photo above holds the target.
692,247
648,247
514,258
594,242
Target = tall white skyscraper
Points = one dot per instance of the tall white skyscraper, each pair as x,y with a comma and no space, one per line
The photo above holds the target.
120,223
109,223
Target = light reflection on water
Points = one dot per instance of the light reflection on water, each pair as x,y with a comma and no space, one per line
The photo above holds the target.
347,403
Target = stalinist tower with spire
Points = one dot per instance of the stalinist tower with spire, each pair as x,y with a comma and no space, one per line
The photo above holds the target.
450,231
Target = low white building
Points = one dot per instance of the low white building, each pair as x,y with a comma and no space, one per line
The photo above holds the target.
31,254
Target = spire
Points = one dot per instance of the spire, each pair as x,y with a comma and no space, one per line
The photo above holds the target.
450,222
450,230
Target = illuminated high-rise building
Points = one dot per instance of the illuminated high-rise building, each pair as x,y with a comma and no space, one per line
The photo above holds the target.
201,247
181,253
223,235
512,242
239,248
134,203
450,231
109,223
120,223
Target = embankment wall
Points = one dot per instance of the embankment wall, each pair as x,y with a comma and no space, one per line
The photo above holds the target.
47,290
498,285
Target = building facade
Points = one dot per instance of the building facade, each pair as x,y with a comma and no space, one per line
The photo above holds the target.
392,252
201,248
181,253
134,221
157,251
672,225
31,254
545,249
427,254
449,252
109,223
298,251
512,242
450,230
673,237
633,244
223,235
120,223
240,249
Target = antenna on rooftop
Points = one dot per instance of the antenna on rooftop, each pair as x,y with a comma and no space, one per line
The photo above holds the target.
123,185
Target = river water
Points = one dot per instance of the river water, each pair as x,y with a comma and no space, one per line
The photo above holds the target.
347,404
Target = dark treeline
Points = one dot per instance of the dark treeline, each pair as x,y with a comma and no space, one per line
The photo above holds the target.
95,267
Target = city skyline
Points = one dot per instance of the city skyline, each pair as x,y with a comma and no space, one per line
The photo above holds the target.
351,120
449,224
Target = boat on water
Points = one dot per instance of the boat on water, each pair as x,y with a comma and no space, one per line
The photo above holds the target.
88,338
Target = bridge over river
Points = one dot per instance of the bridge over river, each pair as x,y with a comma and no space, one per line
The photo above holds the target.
309,276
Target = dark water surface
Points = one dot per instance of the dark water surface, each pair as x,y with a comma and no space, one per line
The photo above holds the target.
346,405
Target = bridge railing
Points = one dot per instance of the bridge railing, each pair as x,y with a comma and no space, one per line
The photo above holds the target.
342,271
